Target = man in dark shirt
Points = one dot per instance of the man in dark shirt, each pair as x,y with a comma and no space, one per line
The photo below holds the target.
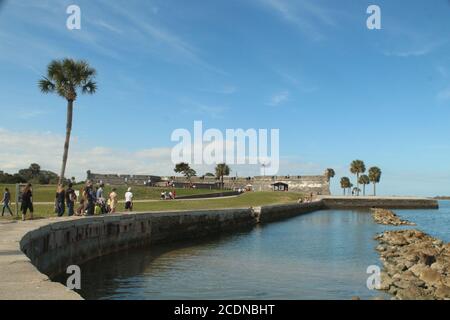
90,197
27,201
71,197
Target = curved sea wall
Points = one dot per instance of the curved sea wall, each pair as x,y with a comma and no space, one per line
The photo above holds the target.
53,247
272,213
32,251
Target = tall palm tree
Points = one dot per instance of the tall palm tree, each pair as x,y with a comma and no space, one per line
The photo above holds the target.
357,167
345,183
222,169
374,177
66,77
364,180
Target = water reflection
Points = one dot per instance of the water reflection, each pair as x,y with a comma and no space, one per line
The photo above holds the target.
323,255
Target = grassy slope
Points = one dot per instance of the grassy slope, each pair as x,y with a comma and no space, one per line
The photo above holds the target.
251,199
43,193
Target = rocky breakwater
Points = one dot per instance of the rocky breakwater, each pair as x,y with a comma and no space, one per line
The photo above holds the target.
388,217
416,265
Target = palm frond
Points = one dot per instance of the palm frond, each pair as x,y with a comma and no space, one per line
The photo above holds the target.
90,87
46,85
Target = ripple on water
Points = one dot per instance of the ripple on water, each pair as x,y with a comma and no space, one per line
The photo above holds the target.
322,255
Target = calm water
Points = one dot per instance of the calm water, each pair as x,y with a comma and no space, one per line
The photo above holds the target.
322,255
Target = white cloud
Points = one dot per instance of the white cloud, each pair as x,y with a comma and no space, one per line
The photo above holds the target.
306,15
444,94
19,149
416,51
225,90
442,71
279,98
197,108
296,81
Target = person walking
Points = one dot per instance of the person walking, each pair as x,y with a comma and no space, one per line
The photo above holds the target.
90,195
129,200
27,201
6,200
82,201
101,202
71,197
113,201
60,200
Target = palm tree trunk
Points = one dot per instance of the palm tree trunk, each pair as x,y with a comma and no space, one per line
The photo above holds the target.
344,190
364,189
374,189
67,142
357,184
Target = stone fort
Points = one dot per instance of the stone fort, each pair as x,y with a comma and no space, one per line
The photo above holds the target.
316,184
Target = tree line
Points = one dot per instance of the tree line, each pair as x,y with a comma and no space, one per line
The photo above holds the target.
221,170
32,174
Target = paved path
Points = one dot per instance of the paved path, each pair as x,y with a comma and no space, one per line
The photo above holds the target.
19,279
147,200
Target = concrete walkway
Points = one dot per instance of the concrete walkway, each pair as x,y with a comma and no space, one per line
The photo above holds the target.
19,279
146,200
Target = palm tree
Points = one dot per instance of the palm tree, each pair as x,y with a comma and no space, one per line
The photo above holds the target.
345,183
357,167
350,186
374,177
222,169
66,77
364,180
329,173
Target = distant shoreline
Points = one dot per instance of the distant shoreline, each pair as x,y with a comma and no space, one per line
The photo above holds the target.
442,198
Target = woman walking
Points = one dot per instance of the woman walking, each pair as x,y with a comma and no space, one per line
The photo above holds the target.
6,200
82,200
60,200
113,201
27,201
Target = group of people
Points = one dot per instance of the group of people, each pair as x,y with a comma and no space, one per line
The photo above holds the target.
306,199
168,195
26,201
91,200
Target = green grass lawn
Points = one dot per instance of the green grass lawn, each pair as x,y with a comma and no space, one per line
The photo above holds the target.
250,199
46,193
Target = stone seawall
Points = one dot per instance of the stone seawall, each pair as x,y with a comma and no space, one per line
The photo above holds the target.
278,212
54,247
379,202
33,250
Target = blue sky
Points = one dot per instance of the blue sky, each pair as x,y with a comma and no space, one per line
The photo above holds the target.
336,90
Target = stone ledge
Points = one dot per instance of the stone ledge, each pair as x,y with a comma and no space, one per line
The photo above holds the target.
333,202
